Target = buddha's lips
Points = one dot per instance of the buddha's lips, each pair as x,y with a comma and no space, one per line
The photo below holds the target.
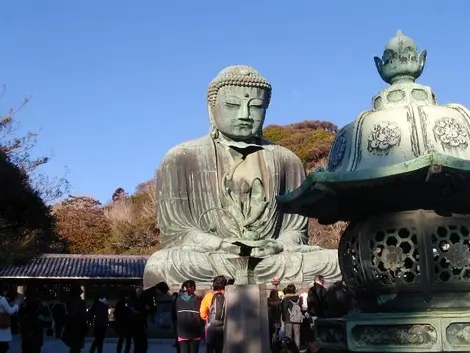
250,126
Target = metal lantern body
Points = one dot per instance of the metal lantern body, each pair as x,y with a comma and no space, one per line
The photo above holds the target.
400,175
408,260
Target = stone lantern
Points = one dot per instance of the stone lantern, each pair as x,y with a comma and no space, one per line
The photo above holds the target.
400,175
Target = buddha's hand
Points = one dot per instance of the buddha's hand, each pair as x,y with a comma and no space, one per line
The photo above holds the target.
205,242
220,247
272,247
302,248
230,248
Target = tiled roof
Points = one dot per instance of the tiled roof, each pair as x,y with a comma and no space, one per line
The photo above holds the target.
65,266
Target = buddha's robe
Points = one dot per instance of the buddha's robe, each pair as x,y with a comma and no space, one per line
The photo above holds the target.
197,211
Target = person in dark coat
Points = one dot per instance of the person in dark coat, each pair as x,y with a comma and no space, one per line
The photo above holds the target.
59,313
123,327
31,327
76,321
98,314
316,298
188,321
274,315
339,300
140,308
173,316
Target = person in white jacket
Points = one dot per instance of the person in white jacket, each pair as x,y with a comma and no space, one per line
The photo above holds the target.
6,308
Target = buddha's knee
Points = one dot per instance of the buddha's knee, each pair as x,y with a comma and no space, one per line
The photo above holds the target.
174,266
322,262
156,268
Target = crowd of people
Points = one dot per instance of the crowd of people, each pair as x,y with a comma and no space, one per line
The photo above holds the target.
195,318
70,320
292,315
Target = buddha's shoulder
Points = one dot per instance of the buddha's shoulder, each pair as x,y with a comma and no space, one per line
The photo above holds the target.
280,150
188,149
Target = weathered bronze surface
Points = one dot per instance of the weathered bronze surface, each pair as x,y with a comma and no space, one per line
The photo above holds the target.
400,173
221,189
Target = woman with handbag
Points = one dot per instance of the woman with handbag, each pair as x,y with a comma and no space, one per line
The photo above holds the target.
6,310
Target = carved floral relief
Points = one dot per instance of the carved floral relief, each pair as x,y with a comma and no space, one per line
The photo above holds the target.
450,133
383,137
424,336
458,334
458,255
393,258
331,334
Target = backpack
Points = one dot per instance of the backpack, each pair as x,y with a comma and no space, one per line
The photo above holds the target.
217,310
295,313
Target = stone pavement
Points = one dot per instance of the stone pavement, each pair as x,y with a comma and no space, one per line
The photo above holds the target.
56,346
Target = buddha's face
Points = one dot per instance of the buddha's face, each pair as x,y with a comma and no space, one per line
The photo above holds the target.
239,111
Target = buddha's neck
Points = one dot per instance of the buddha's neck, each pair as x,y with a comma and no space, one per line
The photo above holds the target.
232,142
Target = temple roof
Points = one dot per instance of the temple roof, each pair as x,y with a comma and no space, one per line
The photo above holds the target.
66,266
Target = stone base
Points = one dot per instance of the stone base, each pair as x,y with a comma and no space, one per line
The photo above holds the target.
433,331
246,322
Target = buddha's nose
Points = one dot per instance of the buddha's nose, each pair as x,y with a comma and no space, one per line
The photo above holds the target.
244,112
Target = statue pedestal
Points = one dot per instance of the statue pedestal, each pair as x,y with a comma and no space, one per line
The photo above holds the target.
431,331
246,321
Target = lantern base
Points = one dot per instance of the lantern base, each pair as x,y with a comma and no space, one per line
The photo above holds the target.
431,331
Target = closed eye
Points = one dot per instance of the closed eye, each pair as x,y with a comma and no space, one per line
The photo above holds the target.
232,105
257,103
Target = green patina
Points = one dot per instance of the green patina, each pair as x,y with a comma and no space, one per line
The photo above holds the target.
400,174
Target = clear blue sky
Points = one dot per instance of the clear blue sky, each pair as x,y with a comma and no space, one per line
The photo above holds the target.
115,84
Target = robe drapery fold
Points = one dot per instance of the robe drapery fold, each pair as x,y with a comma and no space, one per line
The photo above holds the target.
194,221
189,194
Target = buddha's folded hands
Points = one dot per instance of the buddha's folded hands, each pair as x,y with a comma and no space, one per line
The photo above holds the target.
203,242
230,248
272,247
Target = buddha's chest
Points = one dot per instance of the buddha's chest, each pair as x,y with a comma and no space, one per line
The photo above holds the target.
251,168
245,175
245,186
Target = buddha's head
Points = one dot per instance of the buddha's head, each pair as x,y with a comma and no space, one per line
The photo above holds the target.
237,101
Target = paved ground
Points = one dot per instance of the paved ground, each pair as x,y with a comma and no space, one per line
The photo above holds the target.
56,346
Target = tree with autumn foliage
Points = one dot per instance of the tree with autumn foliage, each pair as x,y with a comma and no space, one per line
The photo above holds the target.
310,140
26,226
127,225
133,220
81,222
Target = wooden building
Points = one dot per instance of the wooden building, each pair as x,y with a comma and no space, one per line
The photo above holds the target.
53,274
